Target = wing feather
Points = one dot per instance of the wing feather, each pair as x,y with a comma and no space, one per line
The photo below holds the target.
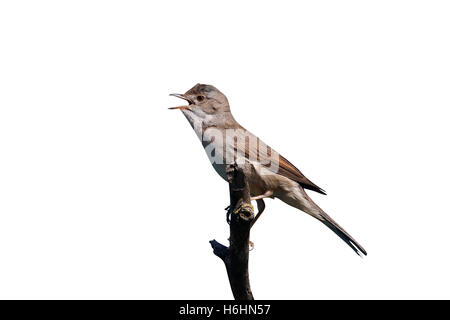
288,170
265,154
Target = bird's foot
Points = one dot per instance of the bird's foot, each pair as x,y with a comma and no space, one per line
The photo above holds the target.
243,206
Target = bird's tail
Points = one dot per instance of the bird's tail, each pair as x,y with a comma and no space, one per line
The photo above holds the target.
348,239
303,202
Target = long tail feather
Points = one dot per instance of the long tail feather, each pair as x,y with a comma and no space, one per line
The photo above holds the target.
306,204
330,223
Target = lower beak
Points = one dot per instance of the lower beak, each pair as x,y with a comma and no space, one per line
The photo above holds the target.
181,96
181,108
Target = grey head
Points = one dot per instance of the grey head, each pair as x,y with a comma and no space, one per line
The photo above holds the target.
204,98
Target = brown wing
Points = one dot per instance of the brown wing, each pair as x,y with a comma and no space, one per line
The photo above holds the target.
288,170
264,154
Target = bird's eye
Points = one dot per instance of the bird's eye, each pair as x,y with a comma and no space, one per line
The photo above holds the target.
200,98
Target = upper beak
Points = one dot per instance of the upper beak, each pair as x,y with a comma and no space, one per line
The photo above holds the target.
181,96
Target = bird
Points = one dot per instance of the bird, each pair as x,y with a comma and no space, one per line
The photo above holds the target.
268,173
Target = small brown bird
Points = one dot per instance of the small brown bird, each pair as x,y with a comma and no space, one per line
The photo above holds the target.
268,173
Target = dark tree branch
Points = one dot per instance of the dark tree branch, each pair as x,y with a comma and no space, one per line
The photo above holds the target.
240,216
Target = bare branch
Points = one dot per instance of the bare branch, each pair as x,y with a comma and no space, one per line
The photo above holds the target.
240,214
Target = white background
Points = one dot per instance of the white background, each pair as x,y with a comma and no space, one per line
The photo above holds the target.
104,193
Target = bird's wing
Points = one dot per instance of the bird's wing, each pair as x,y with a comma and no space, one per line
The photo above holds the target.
288,170
266,155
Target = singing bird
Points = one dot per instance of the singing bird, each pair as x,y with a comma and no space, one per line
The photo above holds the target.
269,174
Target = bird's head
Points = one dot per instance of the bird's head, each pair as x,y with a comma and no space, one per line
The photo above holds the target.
204,98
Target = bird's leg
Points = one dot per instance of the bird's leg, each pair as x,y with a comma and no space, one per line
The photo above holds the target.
261,206
260,203
267,194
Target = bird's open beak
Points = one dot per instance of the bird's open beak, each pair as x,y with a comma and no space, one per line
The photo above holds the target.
181,96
